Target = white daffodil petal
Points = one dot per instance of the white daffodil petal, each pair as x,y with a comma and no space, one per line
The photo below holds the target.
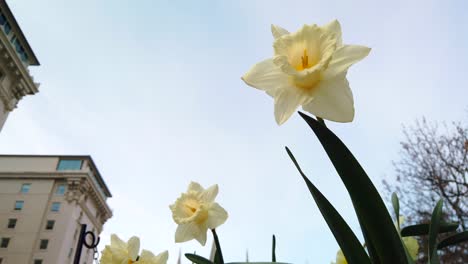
195,186
106,256
201,235
210,194
278,31
265,76
133,247
162,258
146,256
116,242
287,101
333,100
216,216
334,27
118,255
343,58
186,232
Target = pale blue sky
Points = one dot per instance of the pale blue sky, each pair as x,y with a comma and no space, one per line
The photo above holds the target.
152,90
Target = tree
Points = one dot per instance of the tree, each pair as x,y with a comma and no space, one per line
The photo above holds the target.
434,165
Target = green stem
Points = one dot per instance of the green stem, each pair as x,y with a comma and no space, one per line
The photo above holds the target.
273,251
218,246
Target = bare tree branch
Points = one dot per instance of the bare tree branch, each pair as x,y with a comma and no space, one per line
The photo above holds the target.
433,165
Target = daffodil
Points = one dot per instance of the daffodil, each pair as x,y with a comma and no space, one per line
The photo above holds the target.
195,212
340,258
308,69
120,252
147,257
410,243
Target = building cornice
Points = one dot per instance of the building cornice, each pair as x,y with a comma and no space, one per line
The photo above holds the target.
11,18
79,189
79,184
87,157
22,82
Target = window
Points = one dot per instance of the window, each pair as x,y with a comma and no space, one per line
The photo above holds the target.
2,19
25,187
37,261
7,28
70,252
44,243
24,57
50,224
69,165
19,205
12,222
55,207
1,260
61,188
4,243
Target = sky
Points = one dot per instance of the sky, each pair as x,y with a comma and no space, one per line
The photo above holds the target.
152,91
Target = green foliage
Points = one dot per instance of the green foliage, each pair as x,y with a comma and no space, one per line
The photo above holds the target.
197,259
423,229
396,209
372,213
349,243
273,249
433,232
453,240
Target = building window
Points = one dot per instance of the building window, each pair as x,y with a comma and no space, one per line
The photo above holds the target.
1,260
12,222
69,164
38,261
55,207
70,252
44,243
2,19
25,187
7,28
61,188
4,243
50,224
19,205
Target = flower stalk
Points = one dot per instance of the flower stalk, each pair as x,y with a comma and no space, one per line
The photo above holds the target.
219,253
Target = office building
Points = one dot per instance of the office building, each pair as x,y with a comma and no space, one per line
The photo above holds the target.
15,58
44,201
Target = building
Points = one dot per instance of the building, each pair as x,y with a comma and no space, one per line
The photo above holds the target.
44,201
15,57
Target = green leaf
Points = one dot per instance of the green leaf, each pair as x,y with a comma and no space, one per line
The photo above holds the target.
433,232
367,202
423,229
348,242
453,240
273,249
197,259
396,209
217,257
374,257
218,253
